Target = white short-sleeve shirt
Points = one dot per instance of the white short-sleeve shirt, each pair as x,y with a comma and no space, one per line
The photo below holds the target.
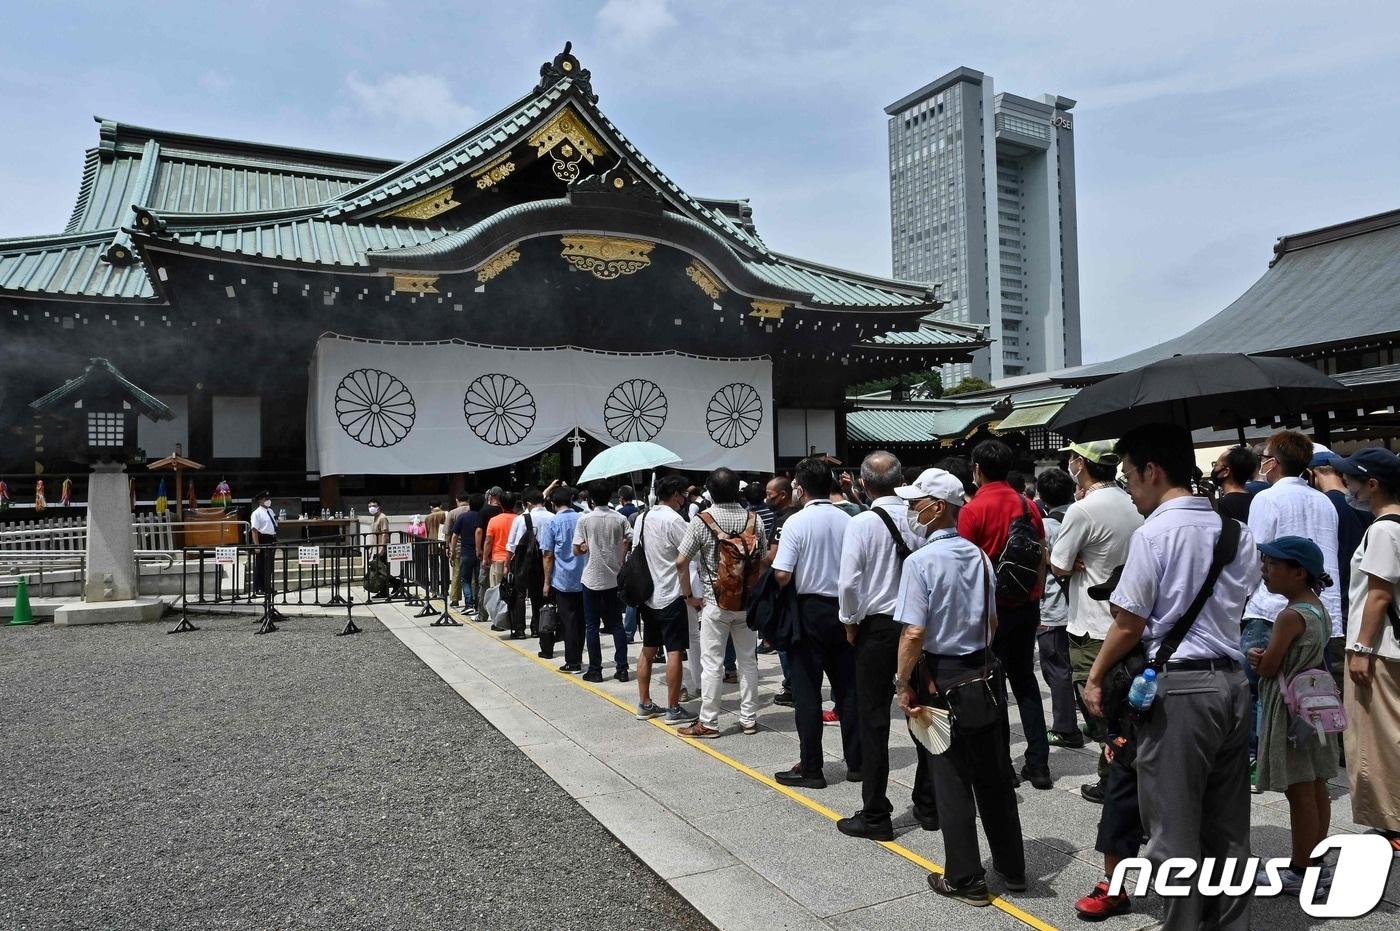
1096,529
1379,556
811,548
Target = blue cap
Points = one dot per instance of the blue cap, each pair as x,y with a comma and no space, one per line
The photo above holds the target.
1324,457
1371,462
1299,550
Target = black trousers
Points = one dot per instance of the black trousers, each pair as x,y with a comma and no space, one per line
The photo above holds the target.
877,659
971,779
1014,645
535,589
824,649
263,564
570,605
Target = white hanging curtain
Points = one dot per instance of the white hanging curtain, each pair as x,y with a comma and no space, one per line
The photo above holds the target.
382,408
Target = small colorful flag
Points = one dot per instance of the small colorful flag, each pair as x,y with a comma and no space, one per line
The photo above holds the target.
162,503
4,496
39,502
65,495
223,494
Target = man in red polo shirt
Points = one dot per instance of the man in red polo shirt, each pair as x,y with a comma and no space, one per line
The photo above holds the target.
986,521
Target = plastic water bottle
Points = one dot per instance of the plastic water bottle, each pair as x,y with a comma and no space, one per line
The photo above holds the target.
1144,690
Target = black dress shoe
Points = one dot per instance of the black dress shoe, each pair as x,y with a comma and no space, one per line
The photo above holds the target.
858,825
854,775
1092,792
1015,883
929,822
784,698
794,777
570,667
543,655
621,675
1038,776
517,636
592,677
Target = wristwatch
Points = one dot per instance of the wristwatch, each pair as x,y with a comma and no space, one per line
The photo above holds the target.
1363,649
900,682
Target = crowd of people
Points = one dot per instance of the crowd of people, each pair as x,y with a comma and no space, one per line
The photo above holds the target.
941,587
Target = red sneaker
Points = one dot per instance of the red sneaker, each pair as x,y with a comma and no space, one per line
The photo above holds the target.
1098,904
830,719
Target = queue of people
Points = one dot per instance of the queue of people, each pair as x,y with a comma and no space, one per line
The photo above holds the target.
913,588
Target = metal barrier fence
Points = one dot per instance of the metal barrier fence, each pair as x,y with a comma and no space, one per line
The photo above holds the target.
318,572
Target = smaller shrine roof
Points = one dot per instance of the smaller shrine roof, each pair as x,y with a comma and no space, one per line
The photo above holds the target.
97,371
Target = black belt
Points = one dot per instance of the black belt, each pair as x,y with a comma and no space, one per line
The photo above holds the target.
828,599
1214,664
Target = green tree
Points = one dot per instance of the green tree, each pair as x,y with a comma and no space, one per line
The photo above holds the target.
970,383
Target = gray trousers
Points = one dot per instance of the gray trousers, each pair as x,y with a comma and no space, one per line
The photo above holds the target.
1193,785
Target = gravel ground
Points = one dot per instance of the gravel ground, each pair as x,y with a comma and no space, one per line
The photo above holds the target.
218,780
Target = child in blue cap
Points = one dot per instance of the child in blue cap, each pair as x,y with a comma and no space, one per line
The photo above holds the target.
1299,768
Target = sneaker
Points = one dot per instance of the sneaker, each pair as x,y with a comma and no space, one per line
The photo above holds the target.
973,892
570,667
764,649
678,716
686,696
621,675
1098,904
859,825
1291,878
794,777
649,710
453,604
1074,740
730,678
1015,883
784,698
1038,776
750,728
1092,792
830,719
543,655
699,732
592,676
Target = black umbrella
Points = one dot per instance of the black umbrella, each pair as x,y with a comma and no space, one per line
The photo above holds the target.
1206,390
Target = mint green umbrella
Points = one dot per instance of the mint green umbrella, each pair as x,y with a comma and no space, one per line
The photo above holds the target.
628,457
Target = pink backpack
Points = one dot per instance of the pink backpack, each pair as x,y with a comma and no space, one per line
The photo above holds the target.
1312,699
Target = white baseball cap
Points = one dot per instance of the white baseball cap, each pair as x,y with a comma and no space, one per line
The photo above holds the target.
935,483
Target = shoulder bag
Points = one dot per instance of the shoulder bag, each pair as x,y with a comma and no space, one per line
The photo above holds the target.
976,702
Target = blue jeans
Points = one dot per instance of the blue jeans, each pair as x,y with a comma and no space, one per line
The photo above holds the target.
602,610
629,622
467,580
783,662
1255,633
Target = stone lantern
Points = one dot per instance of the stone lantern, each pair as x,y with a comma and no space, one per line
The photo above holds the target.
93,418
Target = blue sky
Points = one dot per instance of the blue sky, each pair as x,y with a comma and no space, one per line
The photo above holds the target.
1203,131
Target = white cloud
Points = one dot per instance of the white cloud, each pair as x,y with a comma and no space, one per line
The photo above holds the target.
215,82
633,22
411,99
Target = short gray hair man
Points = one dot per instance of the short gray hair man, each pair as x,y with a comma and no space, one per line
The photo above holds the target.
881,473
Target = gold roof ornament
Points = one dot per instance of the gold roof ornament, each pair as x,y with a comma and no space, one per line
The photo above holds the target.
497,264
606,257
416,284
568,141
704,279
425,207
494,173
767,310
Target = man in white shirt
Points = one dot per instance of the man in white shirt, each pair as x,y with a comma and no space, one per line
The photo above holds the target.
533,516
809,557
1288,507
871,562
601,535
948,610
659,531
263,530
1093,541
718,625
1192,757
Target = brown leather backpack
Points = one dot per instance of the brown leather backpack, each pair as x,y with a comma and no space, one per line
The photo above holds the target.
739,566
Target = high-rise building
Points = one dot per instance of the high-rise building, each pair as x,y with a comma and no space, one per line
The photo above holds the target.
982,200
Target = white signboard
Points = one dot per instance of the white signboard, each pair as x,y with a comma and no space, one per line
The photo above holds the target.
308,555
400,552
420,408
225,555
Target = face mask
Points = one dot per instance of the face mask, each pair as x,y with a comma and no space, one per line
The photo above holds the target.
267,502
1353,501
1073,474
374,509
1217,476
916,526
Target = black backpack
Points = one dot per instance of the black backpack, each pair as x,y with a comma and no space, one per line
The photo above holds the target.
1018,564
526,563
634,581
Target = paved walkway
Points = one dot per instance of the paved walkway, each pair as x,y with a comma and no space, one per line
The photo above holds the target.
751,854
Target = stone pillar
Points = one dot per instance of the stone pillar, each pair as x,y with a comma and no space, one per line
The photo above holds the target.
111,564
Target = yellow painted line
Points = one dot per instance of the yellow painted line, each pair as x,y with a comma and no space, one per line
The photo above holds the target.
704,747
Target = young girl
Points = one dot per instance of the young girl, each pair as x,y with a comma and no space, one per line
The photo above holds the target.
1292,567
